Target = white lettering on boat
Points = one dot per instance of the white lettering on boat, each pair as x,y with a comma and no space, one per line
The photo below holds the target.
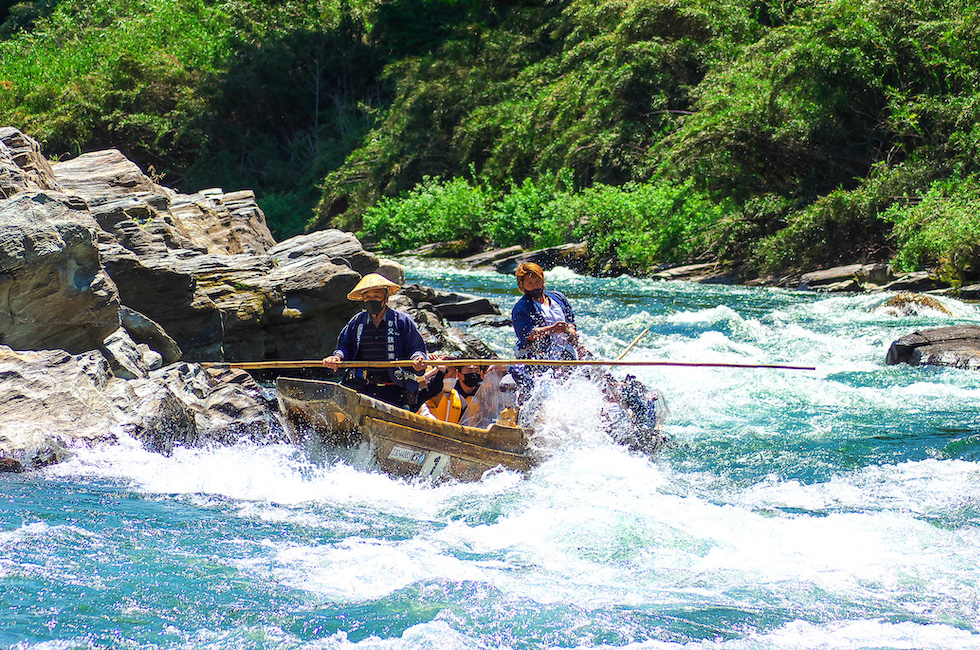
407,455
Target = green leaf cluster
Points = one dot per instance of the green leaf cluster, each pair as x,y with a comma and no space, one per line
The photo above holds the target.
776,134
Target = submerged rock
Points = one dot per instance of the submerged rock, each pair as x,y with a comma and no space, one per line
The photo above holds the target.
956,346
912,304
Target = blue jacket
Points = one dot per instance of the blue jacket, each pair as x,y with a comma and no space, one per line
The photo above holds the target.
527,314
404,341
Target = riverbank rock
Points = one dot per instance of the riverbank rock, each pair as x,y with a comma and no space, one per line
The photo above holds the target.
956,346
450,306
54,291
52,401
113,285
201,270
506,260
709,273
849,278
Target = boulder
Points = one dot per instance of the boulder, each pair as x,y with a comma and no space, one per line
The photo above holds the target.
916,282
22,166
709,273
128,359
438,338
486,259
845,278
572,256
51,401
451,306
956,346
969,292
54,291
143,330
912,304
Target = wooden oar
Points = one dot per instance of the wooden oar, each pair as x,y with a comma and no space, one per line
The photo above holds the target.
635,341
274,365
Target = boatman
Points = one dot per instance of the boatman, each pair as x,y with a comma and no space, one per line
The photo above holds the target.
543,320
380,333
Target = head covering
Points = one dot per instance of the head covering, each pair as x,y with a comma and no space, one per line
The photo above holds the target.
372,281
528,268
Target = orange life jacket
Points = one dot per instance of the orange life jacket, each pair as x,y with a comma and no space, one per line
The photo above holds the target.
447,407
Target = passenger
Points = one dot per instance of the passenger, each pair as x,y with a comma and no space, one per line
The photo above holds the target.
470,378
447,404
495,400
380,333
543,320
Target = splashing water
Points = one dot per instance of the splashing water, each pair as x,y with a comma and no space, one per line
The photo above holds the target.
827,509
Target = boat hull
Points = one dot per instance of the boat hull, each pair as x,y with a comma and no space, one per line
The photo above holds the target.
404,443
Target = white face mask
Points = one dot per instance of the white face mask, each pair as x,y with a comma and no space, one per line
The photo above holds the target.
448,384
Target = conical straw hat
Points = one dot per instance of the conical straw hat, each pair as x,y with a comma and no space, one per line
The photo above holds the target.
372,281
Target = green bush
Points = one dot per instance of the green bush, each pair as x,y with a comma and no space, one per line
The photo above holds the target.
435,211
641,226
844,226
941,230
528,214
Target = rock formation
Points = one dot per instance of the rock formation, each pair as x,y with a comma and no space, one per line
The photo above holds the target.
112,285
957,346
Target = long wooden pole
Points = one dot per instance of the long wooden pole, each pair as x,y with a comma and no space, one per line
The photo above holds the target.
279,365
635,341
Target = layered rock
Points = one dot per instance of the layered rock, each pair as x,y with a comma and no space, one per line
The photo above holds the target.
52,401
957,346
107,279
53,290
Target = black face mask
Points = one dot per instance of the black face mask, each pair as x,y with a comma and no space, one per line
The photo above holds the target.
374,307
535,294
472,379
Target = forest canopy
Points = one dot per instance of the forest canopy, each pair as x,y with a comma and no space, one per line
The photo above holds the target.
774,136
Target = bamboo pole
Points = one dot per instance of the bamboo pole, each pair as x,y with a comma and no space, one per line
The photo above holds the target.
281,365
635,341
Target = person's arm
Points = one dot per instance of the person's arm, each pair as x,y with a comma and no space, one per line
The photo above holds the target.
413,345
523,319
346,346
433,388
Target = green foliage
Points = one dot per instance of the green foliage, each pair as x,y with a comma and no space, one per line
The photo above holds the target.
432,212
941,230
843,226
231,93
775,134
641,226
529,214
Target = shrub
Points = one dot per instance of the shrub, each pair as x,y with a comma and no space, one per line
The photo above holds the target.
941,230
640,226
434,211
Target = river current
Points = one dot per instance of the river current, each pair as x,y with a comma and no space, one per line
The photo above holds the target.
835,508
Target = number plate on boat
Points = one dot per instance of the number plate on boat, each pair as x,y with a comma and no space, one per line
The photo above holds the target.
407,455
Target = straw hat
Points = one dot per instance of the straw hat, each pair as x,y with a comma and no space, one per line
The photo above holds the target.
372,281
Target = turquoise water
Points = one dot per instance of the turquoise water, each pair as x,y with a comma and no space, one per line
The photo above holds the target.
838,508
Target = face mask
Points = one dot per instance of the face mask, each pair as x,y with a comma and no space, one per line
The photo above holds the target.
374,307
472,379
448,384
534,294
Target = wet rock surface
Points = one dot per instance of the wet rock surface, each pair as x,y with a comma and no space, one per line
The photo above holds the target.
955,346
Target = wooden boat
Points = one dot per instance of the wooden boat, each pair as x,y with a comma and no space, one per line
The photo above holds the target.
404,443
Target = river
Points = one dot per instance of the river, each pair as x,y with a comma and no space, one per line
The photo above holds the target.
835,508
